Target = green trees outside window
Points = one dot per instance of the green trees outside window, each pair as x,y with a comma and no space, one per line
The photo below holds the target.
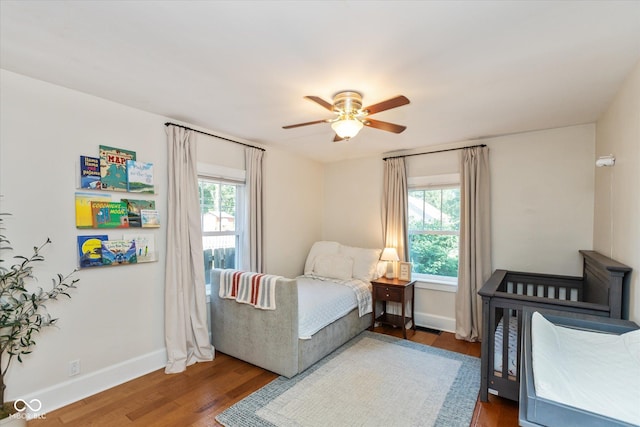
434,228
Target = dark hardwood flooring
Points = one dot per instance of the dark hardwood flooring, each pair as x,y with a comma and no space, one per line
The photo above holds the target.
195,397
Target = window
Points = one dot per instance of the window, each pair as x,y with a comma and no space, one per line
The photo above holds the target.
221,224
434,231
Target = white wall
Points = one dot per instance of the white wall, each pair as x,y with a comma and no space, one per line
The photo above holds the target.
293,200
114,322
617,188
353,196
542,199
542,202
115,317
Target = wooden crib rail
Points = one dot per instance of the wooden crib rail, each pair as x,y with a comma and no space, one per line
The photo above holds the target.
607,282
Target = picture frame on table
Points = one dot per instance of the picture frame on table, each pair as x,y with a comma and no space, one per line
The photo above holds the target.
404,271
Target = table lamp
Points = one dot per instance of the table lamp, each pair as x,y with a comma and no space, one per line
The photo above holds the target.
391,256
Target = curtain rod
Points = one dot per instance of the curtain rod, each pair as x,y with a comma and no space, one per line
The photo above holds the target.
215,136
433,152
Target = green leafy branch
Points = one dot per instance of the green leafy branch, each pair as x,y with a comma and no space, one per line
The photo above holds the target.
23,313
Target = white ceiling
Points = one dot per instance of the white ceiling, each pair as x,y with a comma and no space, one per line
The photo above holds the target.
241,68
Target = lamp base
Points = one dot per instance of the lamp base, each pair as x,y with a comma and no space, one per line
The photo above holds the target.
390,273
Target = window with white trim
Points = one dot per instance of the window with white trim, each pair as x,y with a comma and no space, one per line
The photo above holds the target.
222,225
434,230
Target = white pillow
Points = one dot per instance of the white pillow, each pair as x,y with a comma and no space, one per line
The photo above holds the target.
381,269
334,266
320,248
365,262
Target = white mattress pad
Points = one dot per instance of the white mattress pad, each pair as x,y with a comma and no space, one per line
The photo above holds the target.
321,302
593,371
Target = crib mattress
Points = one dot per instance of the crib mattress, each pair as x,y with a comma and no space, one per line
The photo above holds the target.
513,347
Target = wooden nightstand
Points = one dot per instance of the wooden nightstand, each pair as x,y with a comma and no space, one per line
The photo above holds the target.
393,290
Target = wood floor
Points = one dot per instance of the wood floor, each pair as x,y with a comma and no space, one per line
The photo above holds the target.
195,397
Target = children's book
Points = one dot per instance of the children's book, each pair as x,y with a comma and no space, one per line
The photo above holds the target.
115,252
133,210
90,250
145,247
84,218
150,218
113,167
139,177
90,172
109,215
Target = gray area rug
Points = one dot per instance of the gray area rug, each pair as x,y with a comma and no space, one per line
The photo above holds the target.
373,380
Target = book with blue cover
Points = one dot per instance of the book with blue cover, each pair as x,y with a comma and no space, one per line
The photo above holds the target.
90,250
90,172
118,252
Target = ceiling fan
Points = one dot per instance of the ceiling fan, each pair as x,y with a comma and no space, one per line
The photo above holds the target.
351,117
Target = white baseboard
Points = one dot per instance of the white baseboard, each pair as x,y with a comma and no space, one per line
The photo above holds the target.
78,388
432,321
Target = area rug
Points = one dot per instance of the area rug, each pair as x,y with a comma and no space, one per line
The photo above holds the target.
373,380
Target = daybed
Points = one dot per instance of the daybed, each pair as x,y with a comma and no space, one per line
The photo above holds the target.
601,291
282,340
579,370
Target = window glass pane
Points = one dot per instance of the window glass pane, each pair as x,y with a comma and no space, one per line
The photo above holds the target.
434,224
434,254
227,207
209,205
416,209
425,210
221,231
451,209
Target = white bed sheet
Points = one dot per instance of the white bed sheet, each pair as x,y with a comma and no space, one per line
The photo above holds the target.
321,302
512,346
594,371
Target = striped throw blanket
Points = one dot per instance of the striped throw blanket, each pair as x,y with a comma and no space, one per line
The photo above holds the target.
256,289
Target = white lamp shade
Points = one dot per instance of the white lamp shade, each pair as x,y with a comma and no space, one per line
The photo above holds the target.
347,128
389,254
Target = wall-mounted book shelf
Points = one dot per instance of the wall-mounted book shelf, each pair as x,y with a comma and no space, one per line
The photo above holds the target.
116,171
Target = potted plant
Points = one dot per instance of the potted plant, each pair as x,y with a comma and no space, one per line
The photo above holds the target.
22,312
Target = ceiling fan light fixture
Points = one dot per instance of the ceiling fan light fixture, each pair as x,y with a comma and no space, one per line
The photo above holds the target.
347,128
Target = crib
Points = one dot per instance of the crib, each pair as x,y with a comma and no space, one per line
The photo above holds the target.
603,290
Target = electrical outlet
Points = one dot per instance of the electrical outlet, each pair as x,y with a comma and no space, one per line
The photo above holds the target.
74,367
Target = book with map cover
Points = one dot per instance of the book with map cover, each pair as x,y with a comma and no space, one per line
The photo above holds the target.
113,167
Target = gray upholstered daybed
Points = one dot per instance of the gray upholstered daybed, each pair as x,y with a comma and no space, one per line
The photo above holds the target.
271,339
579,370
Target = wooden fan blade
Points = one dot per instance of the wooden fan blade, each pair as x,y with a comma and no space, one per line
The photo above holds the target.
389,127
398,101
320,101
305,124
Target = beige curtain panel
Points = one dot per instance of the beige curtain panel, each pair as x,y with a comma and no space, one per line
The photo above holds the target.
475,241
186,329
395,207
253,258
